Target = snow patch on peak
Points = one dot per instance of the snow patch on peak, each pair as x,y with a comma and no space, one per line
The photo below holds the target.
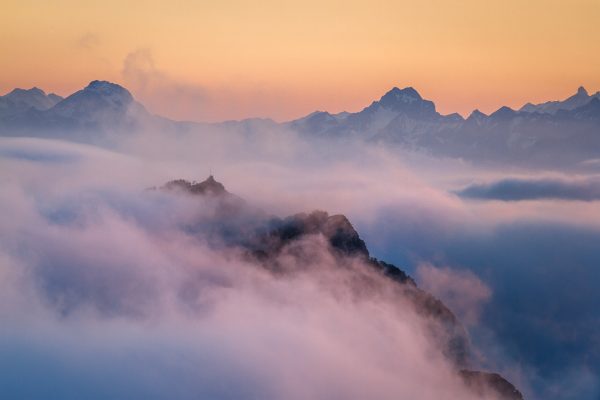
396,95
110,89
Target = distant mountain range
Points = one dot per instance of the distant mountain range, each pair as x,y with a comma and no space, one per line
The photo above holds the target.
87,115
579,99
560,133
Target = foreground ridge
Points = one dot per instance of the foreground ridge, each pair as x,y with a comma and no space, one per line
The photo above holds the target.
270,236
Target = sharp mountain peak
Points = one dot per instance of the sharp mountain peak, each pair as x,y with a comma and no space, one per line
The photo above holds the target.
581,91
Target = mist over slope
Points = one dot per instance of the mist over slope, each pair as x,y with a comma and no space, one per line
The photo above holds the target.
190,283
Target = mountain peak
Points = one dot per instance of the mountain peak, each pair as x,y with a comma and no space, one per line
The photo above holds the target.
577,100
210,186
581,91
396,95
476,114
100,101
503,112
108,89
36,98
211,181
406,101
35,91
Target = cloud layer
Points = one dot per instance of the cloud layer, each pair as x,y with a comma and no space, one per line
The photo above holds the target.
100,275
534,189
105,292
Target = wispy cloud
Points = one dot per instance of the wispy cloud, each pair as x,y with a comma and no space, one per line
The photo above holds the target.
160,91
88,41
81,244
534,189
460,289
117,288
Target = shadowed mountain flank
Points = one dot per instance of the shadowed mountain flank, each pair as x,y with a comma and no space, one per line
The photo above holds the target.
488,383
293,246
208,187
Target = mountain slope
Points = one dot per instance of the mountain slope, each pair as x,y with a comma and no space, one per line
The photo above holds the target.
267,240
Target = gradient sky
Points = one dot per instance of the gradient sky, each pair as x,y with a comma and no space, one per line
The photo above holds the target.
215,60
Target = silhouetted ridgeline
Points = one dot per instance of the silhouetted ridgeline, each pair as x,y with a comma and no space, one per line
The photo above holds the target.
266,239
557,133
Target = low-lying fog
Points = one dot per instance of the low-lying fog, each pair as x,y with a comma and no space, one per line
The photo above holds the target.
93,267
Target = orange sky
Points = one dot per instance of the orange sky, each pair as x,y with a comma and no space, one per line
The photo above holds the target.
215,60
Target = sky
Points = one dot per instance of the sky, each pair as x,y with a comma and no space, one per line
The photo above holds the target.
212,61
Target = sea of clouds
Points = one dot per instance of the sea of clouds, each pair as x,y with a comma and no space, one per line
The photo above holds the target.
104,295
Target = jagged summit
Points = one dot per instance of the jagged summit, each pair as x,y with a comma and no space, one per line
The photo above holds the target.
406,102
396,95
581,91
579,99
476,114
209,186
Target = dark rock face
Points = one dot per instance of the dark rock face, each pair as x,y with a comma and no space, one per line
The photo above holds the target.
486,383
336,229
208,187
265,238
231,211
